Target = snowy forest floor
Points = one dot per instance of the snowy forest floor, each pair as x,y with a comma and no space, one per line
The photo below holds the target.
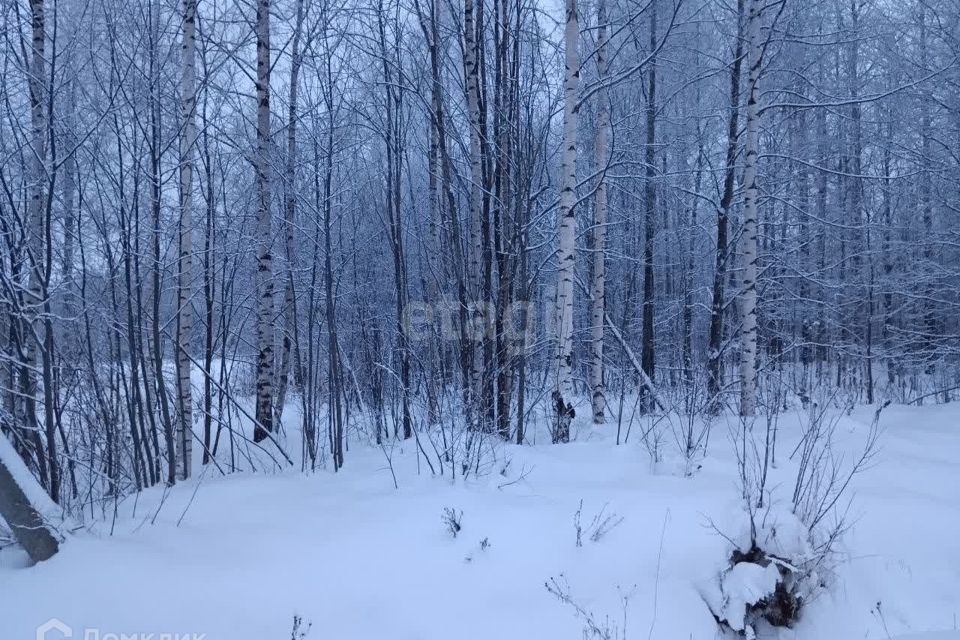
235,558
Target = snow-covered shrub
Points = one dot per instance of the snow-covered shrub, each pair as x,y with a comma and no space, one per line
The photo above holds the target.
786,550
770,573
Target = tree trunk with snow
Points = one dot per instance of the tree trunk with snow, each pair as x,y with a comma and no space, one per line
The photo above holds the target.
22,513
598,287
265,324
748,239
188,102
471,72
563,305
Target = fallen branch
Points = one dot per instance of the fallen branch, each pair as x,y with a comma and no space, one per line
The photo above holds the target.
647,382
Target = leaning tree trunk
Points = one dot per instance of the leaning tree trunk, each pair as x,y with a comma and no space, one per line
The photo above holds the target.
265,328
563,306
188,101
748,241
597,290
20,510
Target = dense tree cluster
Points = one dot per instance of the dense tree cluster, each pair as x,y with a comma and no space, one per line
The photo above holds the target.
224,222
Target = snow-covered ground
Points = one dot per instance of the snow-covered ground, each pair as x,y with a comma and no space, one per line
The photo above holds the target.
235,558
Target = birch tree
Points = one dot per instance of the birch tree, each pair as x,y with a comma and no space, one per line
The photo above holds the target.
748,239
188,108
410,173
563,305
471,70
598,288
265,325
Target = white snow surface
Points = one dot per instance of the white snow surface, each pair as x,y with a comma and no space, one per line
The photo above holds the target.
361,559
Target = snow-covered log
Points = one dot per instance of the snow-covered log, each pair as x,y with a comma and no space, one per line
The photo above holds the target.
25,506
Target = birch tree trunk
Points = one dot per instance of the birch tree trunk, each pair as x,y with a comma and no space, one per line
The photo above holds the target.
563,305
748,241
265,328
471,75
598,288
188,101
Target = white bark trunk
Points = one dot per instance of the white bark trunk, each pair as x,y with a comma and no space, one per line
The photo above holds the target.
188,101
748,241
598,291
475,254
265,324
563,306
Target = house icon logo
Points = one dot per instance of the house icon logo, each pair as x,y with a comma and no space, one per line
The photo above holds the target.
54,629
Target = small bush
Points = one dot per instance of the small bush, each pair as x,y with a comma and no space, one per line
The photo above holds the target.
601,524
452,519
786,553
300,628
594,626
480,549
